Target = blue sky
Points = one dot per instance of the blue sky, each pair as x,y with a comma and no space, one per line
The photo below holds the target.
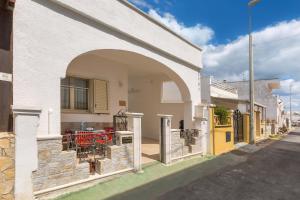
228,18
220,27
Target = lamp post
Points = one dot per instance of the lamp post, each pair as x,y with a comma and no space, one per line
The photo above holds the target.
251,4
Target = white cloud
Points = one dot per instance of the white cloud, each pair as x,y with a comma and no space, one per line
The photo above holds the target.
276,55
276,52
285,87
198,34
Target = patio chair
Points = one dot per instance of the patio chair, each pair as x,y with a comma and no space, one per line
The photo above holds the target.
68,140
110,131
102,143
85,144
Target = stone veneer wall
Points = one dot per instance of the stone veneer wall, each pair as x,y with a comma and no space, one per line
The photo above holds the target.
119,157
7,165
57,167
180,146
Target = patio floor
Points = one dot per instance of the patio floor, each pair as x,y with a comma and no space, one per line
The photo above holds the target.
150,150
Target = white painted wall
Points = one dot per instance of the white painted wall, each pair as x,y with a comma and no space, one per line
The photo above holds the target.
170,93
208,90
94,67
145,97
47,37
217,92
117,14
205,89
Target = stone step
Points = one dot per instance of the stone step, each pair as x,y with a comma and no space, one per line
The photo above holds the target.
195,148
183,141
186,150
199,133
175,135
104,166
196,141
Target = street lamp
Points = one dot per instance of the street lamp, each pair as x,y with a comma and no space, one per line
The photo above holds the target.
251,4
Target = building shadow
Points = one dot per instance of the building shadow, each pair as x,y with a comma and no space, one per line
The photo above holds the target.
233,176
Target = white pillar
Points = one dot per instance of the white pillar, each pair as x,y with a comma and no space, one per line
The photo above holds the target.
135,125
26,121
165,138
201,123
188,115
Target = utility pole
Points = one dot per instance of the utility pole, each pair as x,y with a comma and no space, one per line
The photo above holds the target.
291,85
251,4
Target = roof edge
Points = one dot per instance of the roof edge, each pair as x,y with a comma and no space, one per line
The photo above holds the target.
139,11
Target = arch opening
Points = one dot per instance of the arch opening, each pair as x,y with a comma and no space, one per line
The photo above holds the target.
127,81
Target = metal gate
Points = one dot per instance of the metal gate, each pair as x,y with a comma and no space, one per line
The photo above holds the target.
238,126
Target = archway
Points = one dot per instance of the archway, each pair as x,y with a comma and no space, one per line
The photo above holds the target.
130,81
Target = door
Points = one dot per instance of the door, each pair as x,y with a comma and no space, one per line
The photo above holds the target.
238,126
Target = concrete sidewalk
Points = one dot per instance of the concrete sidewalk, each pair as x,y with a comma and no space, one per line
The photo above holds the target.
156,180
268,174
269,170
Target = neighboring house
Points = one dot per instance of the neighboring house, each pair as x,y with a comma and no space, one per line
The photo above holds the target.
6,16
263,94
75,66
7,171
221,94
213,89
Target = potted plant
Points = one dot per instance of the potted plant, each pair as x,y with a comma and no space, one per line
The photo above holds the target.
223,114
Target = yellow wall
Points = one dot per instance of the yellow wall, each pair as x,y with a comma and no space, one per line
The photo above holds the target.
257,122
218,137
257,127
211,128
221,146
246,126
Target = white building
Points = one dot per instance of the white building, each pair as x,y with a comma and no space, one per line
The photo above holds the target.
263,94
78,63
222,94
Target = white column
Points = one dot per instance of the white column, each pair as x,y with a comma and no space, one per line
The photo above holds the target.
165,138
135,125
201,123
26,121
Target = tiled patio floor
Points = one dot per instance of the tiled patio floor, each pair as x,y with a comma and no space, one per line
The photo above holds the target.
150,150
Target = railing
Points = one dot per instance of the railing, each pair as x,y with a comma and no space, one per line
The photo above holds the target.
223,86
120,121
217,121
